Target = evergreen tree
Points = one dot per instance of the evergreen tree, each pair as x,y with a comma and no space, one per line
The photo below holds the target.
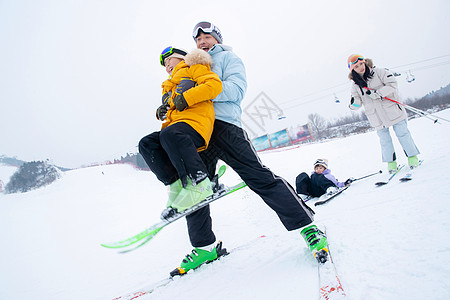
31,175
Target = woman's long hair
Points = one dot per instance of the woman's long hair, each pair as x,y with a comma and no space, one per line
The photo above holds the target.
362,81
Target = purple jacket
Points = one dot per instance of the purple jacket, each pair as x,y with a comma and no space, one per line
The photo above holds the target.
329,176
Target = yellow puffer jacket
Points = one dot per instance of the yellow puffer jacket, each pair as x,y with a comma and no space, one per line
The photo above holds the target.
200,113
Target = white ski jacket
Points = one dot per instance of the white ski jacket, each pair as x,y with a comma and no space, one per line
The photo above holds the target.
381,113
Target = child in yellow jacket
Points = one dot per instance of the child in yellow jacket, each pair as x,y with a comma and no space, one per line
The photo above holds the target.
188,115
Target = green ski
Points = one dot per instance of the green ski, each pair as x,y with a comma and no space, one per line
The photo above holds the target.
149,233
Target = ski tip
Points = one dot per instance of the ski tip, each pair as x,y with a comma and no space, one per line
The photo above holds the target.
381,183
178,272
405,179
222,170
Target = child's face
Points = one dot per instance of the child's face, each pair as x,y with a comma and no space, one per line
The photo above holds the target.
319,169
360,67
205,41
170,63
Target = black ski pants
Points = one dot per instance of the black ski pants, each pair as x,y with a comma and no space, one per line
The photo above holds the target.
315,186
232,145
172,153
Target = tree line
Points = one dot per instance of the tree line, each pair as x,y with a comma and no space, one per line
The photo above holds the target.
356,122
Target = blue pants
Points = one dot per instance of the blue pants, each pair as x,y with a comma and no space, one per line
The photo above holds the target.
404,137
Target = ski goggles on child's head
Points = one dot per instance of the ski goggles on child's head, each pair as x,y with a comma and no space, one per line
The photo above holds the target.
354,59
168,52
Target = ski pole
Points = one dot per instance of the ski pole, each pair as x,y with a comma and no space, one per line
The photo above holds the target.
379,172
413,109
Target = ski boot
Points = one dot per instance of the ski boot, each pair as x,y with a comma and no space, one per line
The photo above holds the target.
188,197
199,257
305,197
392,167
317,242
174,189
332,190
413,162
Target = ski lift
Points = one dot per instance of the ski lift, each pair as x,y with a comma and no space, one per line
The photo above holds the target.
410,77
281,115
336,99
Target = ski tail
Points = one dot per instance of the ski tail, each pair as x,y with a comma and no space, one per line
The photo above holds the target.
408,176
327,198
149,233
150,288
381,183
330,284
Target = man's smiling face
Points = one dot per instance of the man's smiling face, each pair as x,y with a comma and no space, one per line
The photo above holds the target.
205,41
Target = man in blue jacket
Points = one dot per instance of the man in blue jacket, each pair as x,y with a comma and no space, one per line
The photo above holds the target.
230,143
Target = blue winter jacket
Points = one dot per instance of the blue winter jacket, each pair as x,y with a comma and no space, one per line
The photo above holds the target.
231,71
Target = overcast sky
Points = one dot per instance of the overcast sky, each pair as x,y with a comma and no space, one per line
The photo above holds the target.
80,79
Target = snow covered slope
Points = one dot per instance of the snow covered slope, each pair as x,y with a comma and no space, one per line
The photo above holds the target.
389,242
5,174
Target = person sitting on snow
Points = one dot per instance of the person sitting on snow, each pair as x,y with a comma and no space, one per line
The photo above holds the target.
321,181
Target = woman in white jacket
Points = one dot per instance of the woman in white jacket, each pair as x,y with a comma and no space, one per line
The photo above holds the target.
370,85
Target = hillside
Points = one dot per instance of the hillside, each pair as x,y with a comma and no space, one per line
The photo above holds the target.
388,242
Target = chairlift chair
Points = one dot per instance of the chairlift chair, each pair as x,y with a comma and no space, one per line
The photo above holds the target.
410,77
336,99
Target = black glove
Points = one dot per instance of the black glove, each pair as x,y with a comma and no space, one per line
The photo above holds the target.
184,85
180,103
373,94
349,181
161,112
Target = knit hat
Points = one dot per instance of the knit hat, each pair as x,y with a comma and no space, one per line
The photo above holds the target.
207,27
171,52
321,162
353,59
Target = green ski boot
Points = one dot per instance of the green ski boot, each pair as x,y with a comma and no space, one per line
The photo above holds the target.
192,194
392,167
413,162
317,242
188,197
174,189
199,257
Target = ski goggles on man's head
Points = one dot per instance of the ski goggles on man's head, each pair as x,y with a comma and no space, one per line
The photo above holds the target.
206,27
354,59
168,52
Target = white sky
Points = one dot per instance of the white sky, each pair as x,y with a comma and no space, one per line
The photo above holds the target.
80,79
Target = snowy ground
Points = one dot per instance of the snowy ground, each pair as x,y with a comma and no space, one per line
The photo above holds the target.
388,243
5,173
